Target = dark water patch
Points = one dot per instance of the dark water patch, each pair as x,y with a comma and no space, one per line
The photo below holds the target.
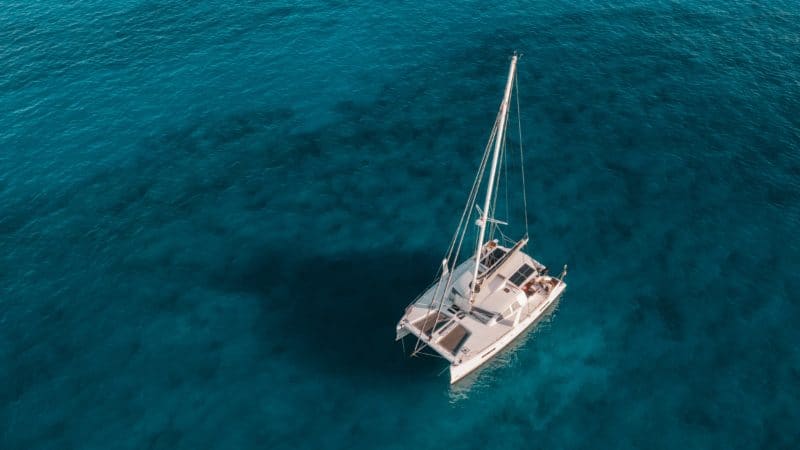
211,133
333,312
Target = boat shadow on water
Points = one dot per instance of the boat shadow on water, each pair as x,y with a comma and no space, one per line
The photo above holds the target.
337,315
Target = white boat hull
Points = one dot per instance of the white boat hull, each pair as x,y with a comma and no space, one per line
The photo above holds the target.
459,370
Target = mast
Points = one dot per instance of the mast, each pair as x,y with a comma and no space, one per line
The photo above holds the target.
498,141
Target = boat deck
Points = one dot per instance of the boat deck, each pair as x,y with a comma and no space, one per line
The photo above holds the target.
453,340
458,331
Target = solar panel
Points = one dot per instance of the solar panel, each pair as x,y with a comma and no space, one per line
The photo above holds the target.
521,275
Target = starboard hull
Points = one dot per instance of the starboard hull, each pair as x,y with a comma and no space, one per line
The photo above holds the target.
464,368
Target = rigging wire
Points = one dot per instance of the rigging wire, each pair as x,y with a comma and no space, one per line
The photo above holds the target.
454,249
496,191
460,230
458,237
521,157
505,183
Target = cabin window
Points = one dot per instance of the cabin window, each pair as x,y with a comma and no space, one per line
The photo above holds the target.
492,258
521,275
510,310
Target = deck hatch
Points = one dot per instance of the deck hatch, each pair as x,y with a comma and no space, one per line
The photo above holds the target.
521,275
455,339
492,258
431,323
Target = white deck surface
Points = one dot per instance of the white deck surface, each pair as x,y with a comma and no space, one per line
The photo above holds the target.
500,312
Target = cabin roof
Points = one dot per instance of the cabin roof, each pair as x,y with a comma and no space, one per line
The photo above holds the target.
501,289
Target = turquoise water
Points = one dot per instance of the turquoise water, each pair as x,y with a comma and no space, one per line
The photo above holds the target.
213,213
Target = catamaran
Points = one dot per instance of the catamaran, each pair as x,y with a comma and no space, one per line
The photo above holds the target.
477,307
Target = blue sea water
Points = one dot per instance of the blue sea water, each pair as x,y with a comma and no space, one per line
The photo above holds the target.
212,214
